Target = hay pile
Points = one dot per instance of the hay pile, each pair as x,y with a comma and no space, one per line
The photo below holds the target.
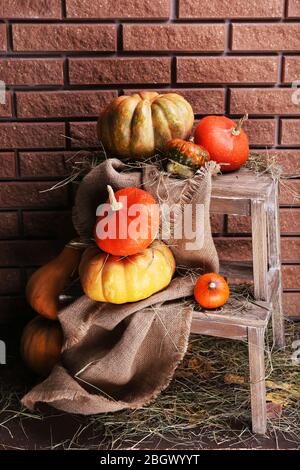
207,400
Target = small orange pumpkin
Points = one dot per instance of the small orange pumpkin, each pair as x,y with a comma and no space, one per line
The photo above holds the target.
225,140
41,345
131,223
211,291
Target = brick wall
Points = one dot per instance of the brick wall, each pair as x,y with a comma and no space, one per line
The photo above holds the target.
62,61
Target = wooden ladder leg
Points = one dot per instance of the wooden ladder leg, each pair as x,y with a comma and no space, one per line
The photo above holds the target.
259,249
256,347
278,319
275,263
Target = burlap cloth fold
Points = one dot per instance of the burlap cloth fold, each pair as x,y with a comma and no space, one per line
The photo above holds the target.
123,356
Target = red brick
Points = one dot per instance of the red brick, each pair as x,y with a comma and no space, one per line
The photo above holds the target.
84,134
7,165
262,101
3,41
266,37
225,9
239,224
239,249
9,225
120,70
106,9
23,194
32,135
227,69
43,164
6,109
291,304
217,223
290,249
293,9
28,252
289,222
234,249
12,309
290,131
289,160
48,224
260,131
290,192
63,103
64,37
30,9
202,100
291,276
291,70
10,281
174,37
31,71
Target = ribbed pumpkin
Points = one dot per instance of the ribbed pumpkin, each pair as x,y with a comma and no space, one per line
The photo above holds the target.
41,345
137,126
108,278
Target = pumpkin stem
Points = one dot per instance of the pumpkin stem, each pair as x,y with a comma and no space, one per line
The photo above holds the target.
115,205
237,129
212,285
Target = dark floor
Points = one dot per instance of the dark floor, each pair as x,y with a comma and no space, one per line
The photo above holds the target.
52,429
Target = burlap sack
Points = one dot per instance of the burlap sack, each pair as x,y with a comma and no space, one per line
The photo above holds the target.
122,356
175,192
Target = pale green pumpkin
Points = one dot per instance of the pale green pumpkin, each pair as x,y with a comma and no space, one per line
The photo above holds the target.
137,126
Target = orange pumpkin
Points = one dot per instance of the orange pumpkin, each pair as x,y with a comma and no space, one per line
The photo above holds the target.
131,223
226,141
137,126
186,157
211,291
45,285
107,278
41,345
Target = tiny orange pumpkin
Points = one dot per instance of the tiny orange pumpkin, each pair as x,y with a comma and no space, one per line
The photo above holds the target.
211,291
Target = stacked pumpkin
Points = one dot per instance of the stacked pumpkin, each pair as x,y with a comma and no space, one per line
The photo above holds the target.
118,270
134,266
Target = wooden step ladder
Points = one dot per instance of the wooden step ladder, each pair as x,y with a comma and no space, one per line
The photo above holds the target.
244,193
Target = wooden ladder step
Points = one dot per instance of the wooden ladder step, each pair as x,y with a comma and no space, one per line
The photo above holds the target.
233,320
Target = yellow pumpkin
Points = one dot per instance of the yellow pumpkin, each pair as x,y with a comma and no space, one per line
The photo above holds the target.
41,345
137,126
108,278
45,285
